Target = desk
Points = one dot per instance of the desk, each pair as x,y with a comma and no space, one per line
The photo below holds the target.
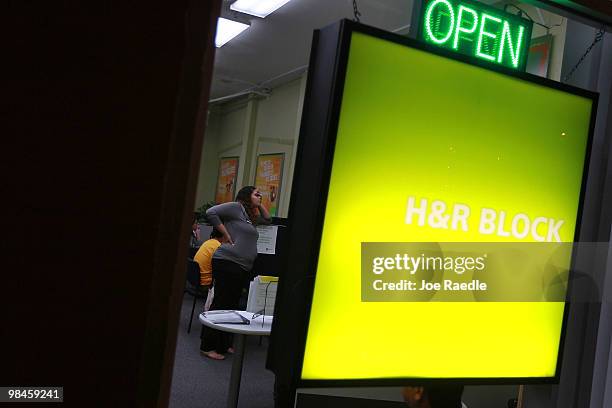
240,331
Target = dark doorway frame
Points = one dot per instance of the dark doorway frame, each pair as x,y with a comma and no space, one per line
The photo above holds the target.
107,106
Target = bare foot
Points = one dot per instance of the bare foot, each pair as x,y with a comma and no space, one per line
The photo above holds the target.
231,350
213,355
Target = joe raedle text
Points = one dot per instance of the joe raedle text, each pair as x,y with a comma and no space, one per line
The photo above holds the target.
423,285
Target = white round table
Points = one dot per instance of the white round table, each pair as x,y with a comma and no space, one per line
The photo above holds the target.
260,326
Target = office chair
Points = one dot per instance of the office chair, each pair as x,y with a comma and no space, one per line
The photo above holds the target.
193,286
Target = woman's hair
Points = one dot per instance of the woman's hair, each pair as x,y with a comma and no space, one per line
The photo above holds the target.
244,198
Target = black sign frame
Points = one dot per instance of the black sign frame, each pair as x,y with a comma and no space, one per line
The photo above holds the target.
324,90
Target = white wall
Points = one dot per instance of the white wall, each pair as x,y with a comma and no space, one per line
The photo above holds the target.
558,26
208,163
277,131
249,127
223,138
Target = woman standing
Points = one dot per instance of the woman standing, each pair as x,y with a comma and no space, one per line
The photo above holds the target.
232,260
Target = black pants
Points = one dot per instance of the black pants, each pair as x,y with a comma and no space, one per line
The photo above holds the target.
229,278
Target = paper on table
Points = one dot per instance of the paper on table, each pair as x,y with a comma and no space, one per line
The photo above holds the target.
266,244
226,317
262,294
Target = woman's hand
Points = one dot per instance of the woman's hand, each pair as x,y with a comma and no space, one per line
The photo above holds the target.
226,236
263,211
256,201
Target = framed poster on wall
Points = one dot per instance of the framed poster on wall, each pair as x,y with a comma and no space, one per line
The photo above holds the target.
226,180
268,178
539,55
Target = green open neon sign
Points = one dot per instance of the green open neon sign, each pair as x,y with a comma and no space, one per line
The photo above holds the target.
473,29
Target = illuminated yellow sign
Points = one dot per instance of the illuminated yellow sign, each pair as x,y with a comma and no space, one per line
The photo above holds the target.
434,150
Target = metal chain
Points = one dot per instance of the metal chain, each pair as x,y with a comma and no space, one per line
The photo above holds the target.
598,37
356,11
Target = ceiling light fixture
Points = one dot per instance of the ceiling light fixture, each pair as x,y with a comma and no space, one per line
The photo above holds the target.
228,29
258,8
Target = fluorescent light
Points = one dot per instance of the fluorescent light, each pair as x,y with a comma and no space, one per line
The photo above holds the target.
258,8
228,29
